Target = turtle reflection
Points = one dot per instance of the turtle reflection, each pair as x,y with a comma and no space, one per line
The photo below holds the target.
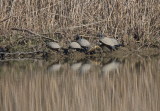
54,67
76,66
110,66
85,67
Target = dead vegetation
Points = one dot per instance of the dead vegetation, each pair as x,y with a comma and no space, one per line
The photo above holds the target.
133,22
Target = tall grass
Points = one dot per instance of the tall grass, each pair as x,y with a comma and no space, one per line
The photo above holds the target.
126,19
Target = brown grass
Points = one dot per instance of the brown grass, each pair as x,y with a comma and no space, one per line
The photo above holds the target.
138,19
27,86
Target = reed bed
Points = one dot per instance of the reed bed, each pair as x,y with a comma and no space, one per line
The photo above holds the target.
135,86
128,20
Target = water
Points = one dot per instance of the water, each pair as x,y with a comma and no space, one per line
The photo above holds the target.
111,84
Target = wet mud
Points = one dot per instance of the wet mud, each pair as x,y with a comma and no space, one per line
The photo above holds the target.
122,52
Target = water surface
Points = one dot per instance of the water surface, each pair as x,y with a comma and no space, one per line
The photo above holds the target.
111,84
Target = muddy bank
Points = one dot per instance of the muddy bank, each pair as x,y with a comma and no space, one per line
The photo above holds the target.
122,52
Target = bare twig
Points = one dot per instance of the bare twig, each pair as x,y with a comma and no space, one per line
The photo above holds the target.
33,33
19,53
83,25
5,19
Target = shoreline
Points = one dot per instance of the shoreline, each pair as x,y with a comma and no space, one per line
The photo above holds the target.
122,52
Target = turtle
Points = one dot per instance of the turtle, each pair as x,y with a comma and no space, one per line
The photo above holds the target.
85,44
111,43
75,45
3,51
53,45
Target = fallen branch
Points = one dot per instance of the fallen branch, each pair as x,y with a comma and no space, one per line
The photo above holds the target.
21,53
33,33
5,19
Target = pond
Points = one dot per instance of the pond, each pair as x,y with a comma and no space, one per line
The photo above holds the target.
95,84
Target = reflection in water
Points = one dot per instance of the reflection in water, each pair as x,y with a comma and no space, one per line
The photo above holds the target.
85,68
76,66
54,67
112,65
29,86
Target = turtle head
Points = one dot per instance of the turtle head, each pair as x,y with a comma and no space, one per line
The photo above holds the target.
98,43
77,37
68,42
47,41
100,35
7,48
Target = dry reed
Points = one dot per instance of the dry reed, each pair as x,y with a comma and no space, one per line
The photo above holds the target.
126,19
